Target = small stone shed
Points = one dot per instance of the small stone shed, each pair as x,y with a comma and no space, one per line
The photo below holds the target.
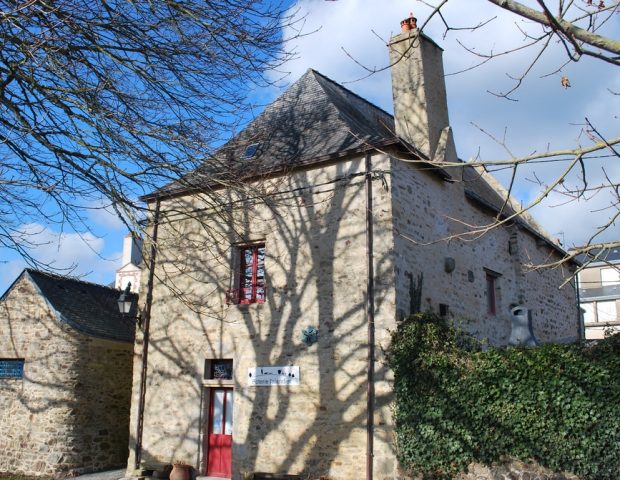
65,376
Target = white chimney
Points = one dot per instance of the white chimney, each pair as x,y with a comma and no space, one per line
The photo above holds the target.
130,270
419,92
132,250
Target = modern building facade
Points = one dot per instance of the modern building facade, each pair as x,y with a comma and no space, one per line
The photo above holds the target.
599,292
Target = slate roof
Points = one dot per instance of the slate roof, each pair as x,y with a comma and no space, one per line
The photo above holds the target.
87,307
315,120
483,188
600,256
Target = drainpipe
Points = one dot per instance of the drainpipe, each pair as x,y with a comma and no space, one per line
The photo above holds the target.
370,315
145,338
580,323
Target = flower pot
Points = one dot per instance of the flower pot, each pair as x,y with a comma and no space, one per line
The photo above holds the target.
409,23
180,472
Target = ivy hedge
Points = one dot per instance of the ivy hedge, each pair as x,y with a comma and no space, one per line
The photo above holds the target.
457,403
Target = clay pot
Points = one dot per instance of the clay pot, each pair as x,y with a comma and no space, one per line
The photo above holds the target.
180,472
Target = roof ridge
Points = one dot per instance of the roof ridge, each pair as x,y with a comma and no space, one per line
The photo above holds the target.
68,278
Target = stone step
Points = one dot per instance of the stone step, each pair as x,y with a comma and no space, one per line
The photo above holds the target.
275,476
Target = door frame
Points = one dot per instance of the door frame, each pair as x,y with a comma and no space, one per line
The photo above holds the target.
207,394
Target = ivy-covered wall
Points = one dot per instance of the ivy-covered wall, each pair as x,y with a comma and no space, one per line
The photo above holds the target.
458,404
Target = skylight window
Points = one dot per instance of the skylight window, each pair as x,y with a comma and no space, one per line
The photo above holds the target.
251,150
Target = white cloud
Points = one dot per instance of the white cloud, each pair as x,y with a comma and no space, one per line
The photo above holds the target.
560,219
105,217
68,253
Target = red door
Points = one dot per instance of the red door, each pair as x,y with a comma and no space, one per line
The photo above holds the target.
219,447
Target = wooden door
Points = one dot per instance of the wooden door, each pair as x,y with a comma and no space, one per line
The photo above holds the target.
219,447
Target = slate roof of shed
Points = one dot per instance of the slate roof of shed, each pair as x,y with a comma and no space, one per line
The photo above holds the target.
89,308
315,120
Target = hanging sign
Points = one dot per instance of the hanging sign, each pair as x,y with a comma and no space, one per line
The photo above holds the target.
268,376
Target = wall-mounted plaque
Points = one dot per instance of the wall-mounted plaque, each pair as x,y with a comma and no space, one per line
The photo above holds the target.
268,376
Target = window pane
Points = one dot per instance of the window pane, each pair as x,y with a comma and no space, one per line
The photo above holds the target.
221,369
588,312
228,422
606,311
610,276
491,305
218,411
252,274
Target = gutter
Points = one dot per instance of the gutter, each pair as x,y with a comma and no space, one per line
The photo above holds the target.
370,317
167,193
145,339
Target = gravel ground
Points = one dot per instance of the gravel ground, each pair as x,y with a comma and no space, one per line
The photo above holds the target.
107,475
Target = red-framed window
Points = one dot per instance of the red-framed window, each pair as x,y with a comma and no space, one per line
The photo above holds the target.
251,282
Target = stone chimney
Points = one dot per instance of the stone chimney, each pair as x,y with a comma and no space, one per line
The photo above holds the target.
419,92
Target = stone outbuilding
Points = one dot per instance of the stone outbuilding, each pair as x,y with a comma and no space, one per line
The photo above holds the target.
65,376
277,270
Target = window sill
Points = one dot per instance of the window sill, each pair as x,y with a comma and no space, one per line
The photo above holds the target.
245,306
217,383
609,323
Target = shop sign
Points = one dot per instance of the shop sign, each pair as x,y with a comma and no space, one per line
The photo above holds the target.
268,376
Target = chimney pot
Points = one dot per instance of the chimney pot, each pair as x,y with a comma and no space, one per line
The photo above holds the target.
410,23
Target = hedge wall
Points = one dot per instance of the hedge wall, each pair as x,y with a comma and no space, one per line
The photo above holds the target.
457,404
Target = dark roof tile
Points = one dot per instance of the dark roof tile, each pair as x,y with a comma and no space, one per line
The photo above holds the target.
87,307
314,119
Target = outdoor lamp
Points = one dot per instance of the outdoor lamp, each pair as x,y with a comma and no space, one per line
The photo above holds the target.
124,301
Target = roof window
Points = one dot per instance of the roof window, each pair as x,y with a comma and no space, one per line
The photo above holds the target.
251,150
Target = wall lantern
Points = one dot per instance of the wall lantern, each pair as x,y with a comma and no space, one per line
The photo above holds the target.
125,304
309,335
124,301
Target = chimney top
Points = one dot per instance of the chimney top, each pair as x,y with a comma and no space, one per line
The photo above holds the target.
409,23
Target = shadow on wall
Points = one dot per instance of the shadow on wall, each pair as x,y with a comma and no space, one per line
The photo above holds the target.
312,224
69,414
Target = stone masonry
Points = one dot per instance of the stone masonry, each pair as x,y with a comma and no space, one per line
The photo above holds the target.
312,223
69,414
304,200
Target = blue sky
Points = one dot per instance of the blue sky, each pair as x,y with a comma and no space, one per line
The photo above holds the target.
545,115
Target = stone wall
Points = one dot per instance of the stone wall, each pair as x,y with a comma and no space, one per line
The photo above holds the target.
428,210
69,414
315,238
313,226
510,469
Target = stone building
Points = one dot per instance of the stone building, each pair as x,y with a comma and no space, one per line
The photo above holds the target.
65,377
599,292
282,265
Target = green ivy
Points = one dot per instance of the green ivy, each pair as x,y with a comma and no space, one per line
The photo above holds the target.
457,403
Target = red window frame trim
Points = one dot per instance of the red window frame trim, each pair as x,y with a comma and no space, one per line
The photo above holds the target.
257,289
